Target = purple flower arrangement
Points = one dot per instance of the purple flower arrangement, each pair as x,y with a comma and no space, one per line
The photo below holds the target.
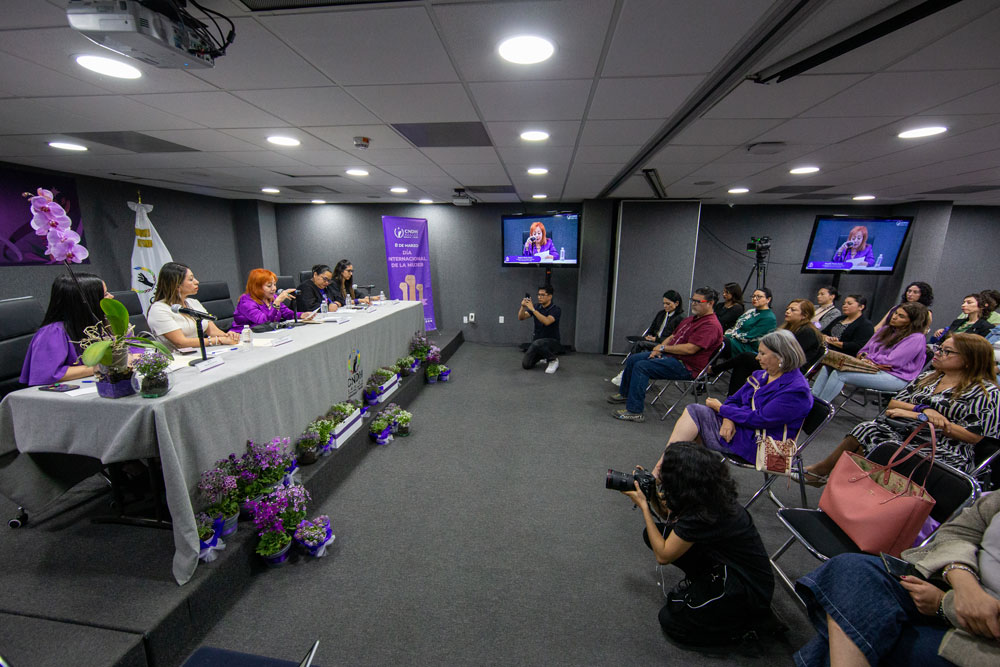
434,354
315,534
220,487
49,219
275,514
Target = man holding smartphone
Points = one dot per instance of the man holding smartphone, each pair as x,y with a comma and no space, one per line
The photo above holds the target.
545,340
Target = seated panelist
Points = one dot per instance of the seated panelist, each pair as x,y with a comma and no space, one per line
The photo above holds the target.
52,355
176,286
343,285
263,303
314,291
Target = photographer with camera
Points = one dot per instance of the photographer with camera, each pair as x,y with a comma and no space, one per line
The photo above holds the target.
725,596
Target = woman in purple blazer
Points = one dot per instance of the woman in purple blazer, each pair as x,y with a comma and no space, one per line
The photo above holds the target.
775,399
262,303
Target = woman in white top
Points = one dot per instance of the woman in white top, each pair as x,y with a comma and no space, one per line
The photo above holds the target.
177,285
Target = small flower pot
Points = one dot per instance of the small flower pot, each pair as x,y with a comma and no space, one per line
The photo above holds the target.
151,386
443,376
308,456
279,559
230,524
119,389
403,430
245,507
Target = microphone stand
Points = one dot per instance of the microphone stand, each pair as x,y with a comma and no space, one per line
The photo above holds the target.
201,343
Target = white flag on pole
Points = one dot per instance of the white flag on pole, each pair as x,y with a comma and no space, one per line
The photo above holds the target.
148,254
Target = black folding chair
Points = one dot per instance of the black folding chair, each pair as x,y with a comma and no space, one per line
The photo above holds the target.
819,416
952,490
691,385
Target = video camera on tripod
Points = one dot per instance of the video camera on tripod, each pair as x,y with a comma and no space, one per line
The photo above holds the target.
761,247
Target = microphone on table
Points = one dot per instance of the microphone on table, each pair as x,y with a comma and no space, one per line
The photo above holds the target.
364,286
199,314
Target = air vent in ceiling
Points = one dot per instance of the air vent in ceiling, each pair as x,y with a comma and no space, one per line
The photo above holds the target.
795,189
444,135
272,5
491,189
817,195
312,189
133,141
962,190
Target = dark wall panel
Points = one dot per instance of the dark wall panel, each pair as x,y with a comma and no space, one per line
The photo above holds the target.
596,242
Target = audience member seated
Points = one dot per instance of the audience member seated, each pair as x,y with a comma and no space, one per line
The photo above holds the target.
798,319
545,343
728,580
947,614
742,338
826,307
850,333
959,395
176,286
342,288
976,311
262,303
776,399
896,354
52,355
664,323
680,357
316,290
914,292
731,306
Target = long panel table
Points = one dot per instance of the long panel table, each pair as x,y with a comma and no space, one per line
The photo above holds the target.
261,394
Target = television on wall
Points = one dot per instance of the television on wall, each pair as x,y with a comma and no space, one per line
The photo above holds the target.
541,240
862,245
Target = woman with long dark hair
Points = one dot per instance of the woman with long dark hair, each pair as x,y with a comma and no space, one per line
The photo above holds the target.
53,355
176,285
896,353
826,306
707,534
918,292
849,333
731,306
343,284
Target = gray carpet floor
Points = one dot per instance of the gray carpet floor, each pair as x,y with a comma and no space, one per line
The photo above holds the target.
487,537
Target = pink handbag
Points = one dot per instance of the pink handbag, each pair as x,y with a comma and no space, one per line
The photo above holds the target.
878,508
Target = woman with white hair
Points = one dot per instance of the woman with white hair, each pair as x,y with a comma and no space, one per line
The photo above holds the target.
774,399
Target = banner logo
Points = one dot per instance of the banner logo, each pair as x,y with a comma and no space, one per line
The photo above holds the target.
355,374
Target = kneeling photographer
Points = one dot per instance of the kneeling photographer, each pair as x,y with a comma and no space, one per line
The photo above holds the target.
725,596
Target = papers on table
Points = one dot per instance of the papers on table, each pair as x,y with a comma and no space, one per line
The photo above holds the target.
336,318
87,387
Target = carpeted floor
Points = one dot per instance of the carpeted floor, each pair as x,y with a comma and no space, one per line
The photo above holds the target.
487,537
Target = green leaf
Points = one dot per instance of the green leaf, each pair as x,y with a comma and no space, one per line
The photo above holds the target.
152,344
98,353
117,316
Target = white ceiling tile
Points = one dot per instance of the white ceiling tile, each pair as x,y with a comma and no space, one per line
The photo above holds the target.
477,174
619,132
392,45
395,156
31,14
730,132
23,116
780,100
986,100
258,137
789,152
829,130
536,154
309,106
497,198
203,140
217,109
37,145
634,187
330,158
655,38
718,171
424,103
531,100
472,33
463,155
382,136
973,46
260,158
606,154
561,132
688,154
115,113
23,78
258,59
649,97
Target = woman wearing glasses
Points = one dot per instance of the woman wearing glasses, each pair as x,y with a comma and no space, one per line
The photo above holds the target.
959,396
751,326
316,290
343,285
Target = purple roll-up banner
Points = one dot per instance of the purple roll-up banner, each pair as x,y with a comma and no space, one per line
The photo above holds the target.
408,259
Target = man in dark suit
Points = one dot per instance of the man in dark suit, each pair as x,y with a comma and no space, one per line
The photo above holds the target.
663,325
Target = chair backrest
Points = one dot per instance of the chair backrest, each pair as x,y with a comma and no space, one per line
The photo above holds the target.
215,297
305,275
286,282
819,416
812,365
712,359
951,489
136,316
19,320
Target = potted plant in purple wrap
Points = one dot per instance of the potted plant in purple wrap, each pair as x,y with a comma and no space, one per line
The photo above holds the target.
274,540
220,486
314,535
308,446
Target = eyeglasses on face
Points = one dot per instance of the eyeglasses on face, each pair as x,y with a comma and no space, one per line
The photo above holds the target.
944,352
757,296
697,300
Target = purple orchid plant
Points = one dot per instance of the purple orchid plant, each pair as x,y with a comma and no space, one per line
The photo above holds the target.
49,219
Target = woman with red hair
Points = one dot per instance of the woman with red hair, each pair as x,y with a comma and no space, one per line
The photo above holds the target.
538,242
856,249
260,304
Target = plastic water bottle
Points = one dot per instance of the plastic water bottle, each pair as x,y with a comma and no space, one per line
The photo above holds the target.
878,262
381,295
246,338
562,253
324,307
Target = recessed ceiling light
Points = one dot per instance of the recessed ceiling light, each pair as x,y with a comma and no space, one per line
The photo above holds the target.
398,190
108,67
534,135
922,132
539,196
318,201
67,147
426,201
356,172
283,141
803,170
526,50
863,197
738,191
538,171
270,191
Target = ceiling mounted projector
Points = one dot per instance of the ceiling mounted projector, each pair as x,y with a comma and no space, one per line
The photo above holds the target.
461,198
134,30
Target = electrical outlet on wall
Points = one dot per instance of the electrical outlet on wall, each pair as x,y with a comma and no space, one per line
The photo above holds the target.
501,319
465,319
472,317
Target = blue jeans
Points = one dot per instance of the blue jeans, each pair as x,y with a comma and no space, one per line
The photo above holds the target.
829,382
640,369
873,610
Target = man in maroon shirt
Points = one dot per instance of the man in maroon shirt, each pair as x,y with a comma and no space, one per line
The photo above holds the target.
680,357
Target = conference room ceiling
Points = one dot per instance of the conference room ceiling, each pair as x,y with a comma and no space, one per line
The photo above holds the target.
633,85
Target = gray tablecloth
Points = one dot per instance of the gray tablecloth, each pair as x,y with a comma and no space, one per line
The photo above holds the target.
265,393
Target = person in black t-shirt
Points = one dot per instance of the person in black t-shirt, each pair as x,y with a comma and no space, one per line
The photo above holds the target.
728,583
545,341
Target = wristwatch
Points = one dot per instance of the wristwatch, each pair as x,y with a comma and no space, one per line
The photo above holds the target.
921,417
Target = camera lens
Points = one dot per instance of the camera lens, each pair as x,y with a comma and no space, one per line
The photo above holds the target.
619,481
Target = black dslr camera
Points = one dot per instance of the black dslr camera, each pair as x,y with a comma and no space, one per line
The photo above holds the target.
625,481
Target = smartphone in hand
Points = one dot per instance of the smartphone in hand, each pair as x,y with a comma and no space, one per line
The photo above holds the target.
898,567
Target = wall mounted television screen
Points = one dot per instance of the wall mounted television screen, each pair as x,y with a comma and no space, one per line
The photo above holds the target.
855,244
547,240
